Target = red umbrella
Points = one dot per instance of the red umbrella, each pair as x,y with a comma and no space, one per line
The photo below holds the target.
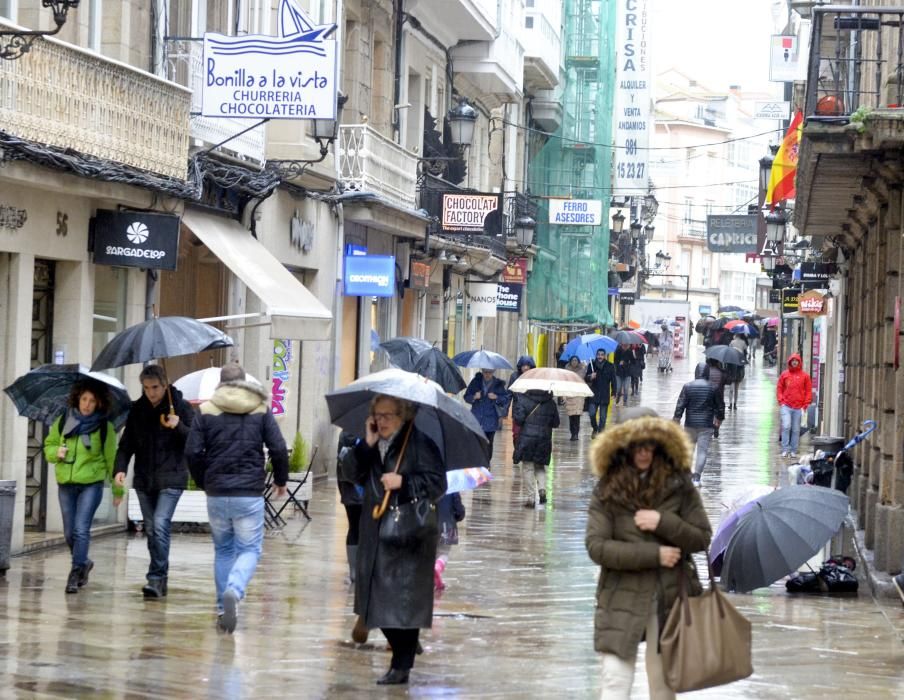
734,324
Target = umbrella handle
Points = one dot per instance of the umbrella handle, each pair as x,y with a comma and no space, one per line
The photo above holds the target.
172,410
378,511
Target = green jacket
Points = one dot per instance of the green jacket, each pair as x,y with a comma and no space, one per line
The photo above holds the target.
81,465
630,572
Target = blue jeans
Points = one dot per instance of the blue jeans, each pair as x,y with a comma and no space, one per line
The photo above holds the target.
621,388
790,428
597,408
78,504
237,526
157,508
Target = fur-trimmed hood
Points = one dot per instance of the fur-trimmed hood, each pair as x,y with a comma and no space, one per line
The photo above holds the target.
667,433
239,396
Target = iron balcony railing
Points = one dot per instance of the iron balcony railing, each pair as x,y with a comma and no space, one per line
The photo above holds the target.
370,162
856,60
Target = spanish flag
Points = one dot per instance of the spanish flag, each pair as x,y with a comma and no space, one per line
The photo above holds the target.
784,167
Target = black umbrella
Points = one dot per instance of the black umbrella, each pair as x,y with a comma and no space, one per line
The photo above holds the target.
43,393
482,359
781,531
725,355
729,309
159,338
434,364
627,337
443,419
403,352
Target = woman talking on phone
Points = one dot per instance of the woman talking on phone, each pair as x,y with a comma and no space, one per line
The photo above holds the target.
394,584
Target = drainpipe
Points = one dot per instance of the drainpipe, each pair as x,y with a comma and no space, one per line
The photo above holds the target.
399,20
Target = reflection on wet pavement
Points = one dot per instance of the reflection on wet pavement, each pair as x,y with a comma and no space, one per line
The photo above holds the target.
514,621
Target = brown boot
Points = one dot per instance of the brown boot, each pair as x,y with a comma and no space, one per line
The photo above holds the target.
360,631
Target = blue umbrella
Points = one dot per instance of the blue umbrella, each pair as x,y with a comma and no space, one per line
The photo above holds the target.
584,347
481,359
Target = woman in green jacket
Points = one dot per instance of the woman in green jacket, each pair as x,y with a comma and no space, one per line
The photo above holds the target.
646,519
82,445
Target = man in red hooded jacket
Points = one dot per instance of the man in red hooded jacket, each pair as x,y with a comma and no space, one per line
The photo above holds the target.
794,392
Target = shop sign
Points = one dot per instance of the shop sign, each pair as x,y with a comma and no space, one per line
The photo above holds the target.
704,309
369,275
135,239
626,297
775,296
282,357
508,297
12,218
482,299
772,110
469,213
515,271
817,272
256,76
784,59
575,212
731,233
418,275
789,300
812,304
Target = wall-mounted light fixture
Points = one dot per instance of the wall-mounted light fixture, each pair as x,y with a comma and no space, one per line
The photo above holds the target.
326,131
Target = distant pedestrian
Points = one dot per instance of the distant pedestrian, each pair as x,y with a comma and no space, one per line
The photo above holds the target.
703,409
636,367
574,405
225,452
489,401
624,356
538,415
81,445
646,519
351,495
449,512
715,374
794,392
600,375
525,363
156,430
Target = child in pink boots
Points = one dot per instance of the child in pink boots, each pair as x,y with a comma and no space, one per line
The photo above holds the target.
449,512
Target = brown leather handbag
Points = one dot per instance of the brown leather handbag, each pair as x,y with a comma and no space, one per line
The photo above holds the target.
705,641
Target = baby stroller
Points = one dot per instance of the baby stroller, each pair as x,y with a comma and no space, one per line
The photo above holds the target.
831,466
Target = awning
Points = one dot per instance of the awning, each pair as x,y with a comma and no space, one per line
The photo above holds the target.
292,310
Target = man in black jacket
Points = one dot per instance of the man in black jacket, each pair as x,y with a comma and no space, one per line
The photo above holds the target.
600,376
155,435
226,457
703,408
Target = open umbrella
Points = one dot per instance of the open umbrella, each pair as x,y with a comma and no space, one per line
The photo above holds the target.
730,309
43,393
481,359
443,419
771,322
780,532
725,355
403,352
434,364
628,338
199,386
767,313
633,325
584,347
467,479
735,510
560,382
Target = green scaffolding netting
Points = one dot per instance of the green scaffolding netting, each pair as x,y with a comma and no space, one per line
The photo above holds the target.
569,281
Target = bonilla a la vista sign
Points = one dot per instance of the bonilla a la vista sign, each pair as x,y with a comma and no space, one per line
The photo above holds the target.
290,76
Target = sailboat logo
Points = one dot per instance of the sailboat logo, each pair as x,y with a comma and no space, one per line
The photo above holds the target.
297,34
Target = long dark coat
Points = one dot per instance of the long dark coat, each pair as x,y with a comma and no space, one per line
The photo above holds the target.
487,411
393,586
630,572
537,414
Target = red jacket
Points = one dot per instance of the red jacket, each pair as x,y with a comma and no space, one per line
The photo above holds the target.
794,388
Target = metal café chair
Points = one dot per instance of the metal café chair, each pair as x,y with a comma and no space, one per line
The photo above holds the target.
273,515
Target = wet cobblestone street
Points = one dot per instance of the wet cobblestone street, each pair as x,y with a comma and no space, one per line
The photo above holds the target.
515,619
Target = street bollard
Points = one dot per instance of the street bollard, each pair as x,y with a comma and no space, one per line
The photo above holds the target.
7,504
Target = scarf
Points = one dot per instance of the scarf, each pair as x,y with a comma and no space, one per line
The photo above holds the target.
77,424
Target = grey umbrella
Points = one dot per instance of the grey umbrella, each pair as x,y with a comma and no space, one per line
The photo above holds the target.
403,352
780,532
725,355
482,359
443,419
434,364
159,338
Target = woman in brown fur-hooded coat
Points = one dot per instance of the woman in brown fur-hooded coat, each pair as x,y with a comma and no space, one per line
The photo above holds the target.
643,507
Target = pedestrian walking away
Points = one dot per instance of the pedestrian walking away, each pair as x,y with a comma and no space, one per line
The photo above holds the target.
666,348
636,365
489,401
449,512
351,495
525,363
794,392
574,405
645,520
600,376
715,374
225,452
538,415
624,356
702,408
82,447
394,582
155,435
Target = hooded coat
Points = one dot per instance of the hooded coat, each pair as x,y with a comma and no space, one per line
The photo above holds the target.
523,360
158,451
794,388
394,585
487,411
630,572
537,414
225,448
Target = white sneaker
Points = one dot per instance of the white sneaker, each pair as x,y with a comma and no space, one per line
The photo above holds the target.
695,479
792,455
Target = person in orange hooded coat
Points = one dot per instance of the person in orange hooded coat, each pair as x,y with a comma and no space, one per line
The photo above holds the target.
794,392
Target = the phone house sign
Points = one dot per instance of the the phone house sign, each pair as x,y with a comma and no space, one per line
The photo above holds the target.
292,76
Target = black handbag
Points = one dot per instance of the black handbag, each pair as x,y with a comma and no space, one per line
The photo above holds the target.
409,524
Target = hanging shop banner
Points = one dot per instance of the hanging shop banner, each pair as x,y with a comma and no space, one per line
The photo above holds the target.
282,358
789,300
812,304
289,76
471,213
626,296
575,212
135,239
784,59
369,275
732,233
418,275
633,103
817,272
772,110
515,271
775,296
508,297
482,298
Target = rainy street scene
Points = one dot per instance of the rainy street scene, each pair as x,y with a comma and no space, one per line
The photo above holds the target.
466,349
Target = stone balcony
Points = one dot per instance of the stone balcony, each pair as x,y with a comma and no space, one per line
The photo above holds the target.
370,162
69,98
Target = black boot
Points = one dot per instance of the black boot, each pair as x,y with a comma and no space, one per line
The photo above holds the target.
394,676
75,575
153,588
85,570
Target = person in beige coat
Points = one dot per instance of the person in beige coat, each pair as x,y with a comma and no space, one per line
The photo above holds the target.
574,405
646,519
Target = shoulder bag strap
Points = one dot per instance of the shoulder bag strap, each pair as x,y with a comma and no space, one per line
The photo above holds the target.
380,509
